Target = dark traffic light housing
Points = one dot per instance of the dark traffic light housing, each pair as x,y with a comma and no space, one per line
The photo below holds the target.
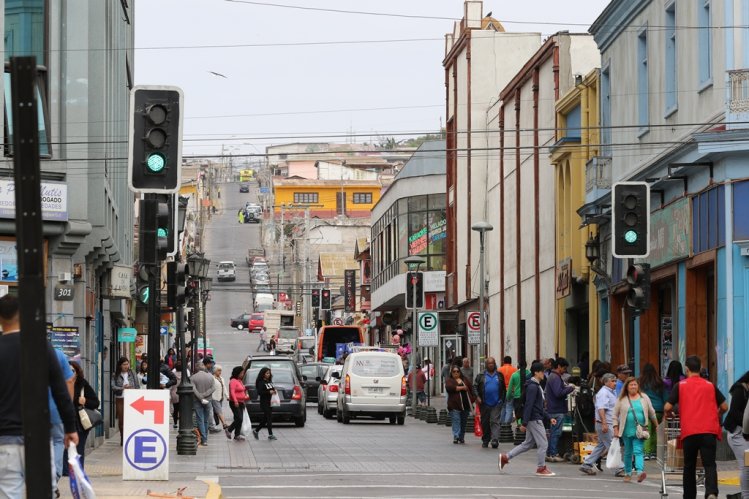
155,140
415,279
638,278
176,284
315,298
167,225
630,219
325,299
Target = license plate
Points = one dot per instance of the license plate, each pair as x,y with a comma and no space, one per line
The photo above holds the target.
376,389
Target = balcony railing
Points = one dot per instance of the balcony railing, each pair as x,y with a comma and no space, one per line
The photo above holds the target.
738,99
598,173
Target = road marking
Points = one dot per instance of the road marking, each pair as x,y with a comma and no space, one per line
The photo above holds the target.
404,486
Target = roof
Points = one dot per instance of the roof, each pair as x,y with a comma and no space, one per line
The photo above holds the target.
429,159
332,265
362,246
283,182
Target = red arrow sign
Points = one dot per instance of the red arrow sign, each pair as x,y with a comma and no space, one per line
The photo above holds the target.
142,405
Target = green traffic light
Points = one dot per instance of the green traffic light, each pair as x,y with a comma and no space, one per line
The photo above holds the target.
144,294
162,232
156,162
630,236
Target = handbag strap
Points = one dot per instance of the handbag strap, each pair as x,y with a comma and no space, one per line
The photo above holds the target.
631,408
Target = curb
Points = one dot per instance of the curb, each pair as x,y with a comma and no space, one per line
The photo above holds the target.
214,490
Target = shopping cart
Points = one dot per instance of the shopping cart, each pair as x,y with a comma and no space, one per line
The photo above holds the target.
670,455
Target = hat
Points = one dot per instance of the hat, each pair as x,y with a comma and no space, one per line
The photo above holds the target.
624,369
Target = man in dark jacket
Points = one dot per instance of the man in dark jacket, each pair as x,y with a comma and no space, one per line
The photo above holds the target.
489,389
532,423
556,405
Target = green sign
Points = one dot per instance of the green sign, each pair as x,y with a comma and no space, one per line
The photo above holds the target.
670,230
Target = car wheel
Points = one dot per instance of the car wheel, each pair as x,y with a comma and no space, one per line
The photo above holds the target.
299,422
345,417
392,419
401,420
338,416
327,414
240,326
319,409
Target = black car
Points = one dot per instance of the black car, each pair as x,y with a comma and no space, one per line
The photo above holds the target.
314,373
244,188
241,322
289,383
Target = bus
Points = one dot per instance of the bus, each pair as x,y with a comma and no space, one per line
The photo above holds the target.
246,175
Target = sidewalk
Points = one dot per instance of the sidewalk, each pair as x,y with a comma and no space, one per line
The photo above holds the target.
188,475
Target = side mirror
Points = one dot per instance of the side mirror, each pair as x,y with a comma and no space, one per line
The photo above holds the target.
318,379
323,382
304,378
336,375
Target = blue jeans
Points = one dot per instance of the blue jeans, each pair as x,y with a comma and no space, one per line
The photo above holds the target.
459,419
57,435
633,445
554,434
604,442
507,411
203,414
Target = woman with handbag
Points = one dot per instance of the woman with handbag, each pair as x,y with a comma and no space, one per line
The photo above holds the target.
459,402
122,379
632,412
237,397
265,391
86,403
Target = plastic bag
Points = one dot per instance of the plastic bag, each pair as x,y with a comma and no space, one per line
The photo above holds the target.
275,400
614,457
80,485
478,431
246,425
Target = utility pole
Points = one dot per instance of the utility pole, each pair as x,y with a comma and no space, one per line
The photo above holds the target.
305,299
34,374
283,238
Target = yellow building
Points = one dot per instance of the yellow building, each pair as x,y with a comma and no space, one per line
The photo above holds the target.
327,198
577,142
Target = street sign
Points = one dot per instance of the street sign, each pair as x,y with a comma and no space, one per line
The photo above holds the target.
145,453
429,329
264,190
473,326
338,321
163,330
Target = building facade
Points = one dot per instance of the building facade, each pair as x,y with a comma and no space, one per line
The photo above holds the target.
687,121
325,198
480,59
84,58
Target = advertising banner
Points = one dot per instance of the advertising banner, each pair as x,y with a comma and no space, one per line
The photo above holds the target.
349,290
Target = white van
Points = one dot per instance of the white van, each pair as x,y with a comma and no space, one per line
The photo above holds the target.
263,302
226,271
372,383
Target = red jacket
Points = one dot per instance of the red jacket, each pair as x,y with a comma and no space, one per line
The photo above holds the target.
237,391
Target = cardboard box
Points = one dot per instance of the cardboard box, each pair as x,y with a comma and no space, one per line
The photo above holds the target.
675,455
590,437
584,448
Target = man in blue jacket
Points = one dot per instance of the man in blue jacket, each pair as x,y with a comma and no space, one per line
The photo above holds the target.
489,389
532,423
556,405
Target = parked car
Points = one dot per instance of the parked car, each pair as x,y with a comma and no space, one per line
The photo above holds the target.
314,373
373,384
261,279
244,187
241,322
226,271
262,289
263,302
327,392
289,383
256,322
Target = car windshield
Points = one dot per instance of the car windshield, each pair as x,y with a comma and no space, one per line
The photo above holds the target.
307,343
288,334
375,365
225,266
262,307
280,374
309,371
257,317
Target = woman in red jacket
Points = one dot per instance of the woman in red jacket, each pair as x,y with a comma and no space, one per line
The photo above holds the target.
237,398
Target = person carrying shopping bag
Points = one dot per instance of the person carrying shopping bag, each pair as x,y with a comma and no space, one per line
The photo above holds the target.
459,402
632,412
237,398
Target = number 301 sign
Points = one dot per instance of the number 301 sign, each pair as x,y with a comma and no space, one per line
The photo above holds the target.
64,292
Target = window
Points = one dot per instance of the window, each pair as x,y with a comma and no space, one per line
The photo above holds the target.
572,123
25,34
642,80
305,197
704,42
362,198
605,109
708,219
671,85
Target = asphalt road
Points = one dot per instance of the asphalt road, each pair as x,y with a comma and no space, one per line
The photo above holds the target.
365,458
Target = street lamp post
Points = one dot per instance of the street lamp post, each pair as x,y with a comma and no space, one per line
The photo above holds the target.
415,262
482,228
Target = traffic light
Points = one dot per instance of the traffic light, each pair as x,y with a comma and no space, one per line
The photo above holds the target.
315,298
638,278
169,230
154,228
415,279
155,140
176,283
630,219
325,299
142,289
162,229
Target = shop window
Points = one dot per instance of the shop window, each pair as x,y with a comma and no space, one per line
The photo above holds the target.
708,220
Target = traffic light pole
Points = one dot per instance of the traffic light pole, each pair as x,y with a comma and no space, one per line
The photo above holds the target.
187,444
415,348
148,218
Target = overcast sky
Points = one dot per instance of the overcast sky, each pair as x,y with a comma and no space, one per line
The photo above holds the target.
277,94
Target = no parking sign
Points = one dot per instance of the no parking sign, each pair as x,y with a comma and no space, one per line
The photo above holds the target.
145,449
